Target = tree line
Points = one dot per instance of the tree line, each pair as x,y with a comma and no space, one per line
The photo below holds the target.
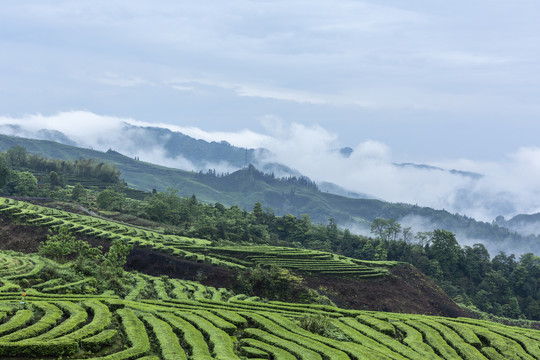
25,174
504,285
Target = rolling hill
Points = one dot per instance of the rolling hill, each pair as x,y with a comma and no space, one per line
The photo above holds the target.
52,310
190,298
293,195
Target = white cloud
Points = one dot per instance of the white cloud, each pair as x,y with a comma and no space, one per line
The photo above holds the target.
341,56
242,138
255,90
122,80
507,187
510,185
83,127
183,88
460,58
280,94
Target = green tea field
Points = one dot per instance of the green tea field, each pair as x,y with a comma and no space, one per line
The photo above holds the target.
163,318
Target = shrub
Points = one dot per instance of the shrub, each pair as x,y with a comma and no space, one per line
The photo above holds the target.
317,324
61,245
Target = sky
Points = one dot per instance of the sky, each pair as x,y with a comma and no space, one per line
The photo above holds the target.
446,83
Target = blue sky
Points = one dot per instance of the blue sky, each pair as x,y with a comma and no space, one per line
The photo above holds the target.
432,80
448,83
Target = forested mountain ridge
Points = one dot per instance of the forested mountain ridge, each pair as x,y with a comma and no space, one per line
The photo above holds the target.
173,144
201,153
292,195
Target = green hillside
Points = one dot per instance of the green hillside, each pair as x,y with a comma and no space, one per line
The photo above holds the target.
188,321
138,174
295,196
195,249
330,260
66,310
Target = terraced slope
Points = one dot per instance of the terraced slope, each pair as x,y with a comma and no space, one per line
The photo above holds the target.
308,261
165,318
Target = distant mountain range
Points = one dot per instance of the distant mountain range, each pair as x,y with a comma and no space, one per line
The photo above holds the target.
182,151
295,195
524,224
429,167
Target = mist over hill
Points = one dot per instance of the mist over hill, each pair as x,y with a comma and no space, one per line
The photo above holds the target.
296,195
482,191
292,149
524,224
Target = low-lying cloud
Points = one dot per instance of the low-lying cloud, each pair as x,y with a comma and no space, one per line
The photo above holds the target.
506,187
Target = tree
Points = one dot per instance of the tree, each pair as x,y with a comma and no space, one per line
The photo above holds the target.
348,244
302,232
476,262
170,208
258,213
525,276
445,249
78,192
17,156
61,245
512,308
407,234
111,200
381,253
497,285
158,209
386,229
332,233
54,179
5,171
273,283
116,258
423,238
433,269
481,299
25,184
367,252
533,309
107,172
504,263
286,226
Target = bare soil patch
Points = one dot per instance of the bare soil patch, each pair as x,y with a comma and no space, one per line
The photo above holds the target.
405,290
155,263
